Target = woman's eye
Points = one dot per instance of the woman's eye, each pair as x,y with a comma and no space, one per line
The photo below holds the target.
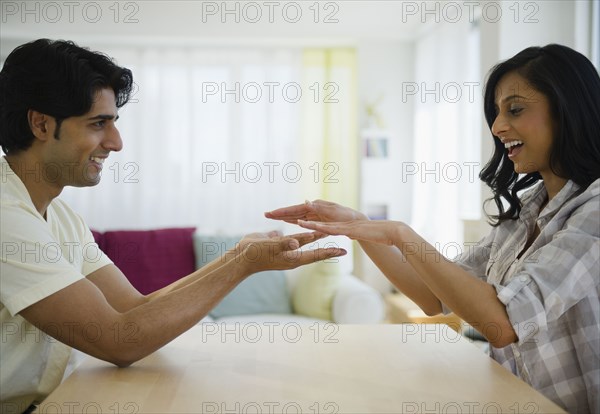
515,111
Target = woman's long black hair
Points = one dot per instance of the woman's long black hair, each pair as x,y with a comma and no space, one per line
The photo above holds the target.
571,84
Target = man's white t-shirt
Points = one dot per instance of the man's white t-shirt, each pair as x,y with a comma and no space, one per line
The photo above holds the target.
38,258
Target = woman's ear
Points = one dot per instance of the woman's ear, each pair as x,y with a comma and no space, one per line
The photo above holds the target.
39,124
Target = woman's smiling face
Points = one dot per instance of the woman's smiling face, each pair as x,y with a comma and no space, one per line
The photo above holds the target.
524,124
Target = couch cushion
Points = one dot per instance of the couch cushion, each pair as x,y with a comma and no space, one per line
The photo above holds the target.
356,302
264,292
315,290
151,259
98,238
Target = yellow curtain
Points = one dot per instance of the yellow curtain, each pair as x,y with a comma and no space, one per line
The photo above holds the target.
329,125
329,148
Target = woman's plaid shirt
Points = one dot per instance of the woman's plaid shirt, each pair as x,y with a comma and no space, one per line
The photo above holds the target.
551,293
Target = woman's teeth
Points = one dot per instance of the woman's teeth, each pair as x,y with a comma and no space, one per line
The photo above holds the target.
507,145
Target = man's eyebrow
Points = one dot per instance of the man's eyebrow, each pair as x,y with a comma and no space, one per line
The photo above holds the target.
103,117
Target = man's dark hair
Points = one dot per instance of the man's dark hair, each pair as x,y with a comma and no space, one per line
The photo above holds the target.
571,84
57,78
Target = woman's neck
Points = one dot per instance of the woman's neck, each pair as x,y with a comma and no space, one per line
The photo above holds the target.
553,184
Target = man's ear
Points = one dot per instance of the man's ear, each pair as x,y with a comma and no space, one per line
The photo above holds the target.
40,124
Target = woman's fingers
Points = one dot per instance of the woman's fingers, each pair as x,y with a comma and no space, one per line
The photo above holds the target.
290,212
325,228
304,257
373,231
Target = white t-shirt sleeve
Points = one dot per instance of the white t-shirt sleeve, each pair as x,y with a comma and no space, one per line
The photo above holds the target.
35,261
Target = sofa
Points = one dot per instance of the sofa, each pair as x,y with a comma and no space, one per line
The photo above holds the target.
152,259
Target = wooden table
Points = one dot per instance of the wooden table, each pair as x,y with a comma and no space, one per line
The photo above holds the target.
321,368
400,309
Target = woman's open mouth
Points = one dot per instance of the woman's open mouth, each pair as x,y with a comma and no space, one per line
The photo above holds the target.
513,147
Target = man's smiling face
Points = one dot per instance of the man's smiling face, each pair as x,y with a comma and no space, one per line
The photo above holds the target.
84,142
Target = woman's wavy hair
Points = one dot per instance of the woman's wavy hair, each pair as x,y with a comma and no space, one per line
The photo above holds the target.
571,84
57,78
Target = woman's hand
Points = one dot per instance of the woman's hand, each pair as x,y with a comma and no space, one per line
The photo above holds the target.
380,231
318,210
272,251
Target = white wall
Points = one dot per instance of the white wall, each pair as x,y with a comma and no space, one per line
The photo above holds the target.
190,22
382,69
537,24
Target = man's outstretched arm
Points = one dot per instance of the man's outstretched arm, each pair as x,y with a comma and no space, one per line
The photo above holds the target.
82,316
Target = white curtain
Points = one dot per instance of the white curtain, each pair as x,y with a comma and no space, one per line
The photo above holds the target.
211,139
447,125
215,137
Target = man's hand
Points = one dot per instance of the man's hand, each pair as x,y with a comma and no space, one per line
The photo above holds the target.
272,251
254,237
302,238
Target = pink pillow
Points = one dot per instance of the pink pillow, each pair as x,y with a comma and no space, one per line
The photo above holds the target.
98,238
151,259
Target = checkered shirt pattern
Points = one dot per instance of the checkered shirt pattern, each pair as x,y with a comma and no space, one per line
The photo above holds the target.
551,293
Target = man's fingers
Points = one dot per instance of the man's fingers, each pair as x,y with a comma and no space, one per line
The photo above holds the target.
320,235
328,253
308,237
289,243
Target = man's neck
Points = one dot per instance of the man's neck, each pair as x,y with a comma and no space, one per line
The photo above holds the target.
33,173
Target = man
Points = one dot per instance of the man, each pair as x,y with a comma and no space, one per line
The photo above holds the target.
58,108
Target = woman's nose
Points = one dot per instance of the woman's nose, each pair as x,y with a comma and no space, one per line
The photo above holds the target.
500,126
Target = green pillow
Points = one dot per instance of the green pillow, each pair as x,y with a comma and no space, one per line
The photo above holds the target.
264,292
315,289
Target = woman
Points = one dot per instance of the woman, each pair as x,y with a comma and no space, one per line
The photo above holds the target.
531,287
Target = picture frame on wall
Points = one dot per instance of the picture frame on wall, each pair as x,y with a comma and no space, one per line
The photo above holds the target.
376,147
